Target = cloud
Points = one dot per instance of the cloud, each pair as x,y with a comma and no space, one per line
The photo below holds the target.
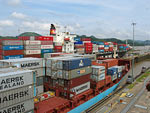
5,23
13,2
18,15
36,25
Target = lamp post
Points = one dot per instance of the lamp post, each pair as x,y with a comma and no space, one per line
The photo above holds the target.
133,24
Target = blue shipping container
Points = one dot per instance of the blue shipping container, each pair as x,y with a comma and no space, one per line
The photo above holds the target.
13,47
112,71
46,50
13,57
77,39
101,50
78,42
106,45
100,43
76,63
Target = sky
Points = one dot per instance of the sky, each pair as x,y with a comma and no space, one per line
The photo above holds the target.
101,18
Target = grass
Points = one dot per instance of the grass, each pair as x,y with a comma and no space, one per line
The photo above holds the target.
140,79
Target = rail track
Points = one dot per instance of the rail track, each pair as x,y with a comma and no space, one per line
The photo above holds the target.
109,97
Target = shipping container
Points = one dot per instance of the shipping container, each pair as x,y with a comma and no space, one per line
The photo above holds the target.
85,39
12,52
22,107
28,63
47,47
13,57
40,71
30,42
97,70
39,90
13,47
42,38
32,47
39,81
15,96
29,52
1,57
98,78
46,42
81,88
75,63
24,37
47,51
74,73
11,80
12,42
33,55
78,42
77,81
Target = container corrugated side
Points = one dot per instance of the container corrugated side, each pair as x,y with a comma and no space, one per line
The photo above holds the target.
15,96
21,107
39,81
29,52
81,88
29,42
40,71
19,78
76,63
32,47
13,47
46,50
75,73
13,57
39,90
12,42
28,63
98,77
97,70
47,46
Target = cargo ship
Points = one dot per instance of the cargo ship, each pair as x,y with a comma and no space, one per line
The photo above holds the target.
57,73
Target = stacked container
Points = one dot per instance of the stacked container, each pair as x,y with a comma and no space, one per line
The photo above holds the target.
57,47
106,46
98,73
11,49
123,47
79,47
16,90
71,73
111,46
100,47
95,48
37,64
32,47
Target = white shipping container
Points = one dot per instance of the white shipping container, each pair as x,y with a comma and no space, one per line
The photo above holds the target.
15,96
21,107
97,70
30,42
19,78
30,52
25,63
101,45
68,47
40,72
47,46
81,88
12,42
106,47
99,77
39,90
32,47
86,42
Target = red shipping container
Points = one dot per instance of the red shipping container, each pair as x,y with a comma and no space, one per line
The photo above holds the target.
106,50
77,81
1,46
100,48
13,52
97,85
34,55
110,48
50,38
1,57
46,42
24,37
106,43
88,44
107,79
57,47
85,39
58,50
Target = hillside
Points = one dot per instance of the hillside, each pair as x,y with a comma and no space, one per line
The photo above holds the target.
137,43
